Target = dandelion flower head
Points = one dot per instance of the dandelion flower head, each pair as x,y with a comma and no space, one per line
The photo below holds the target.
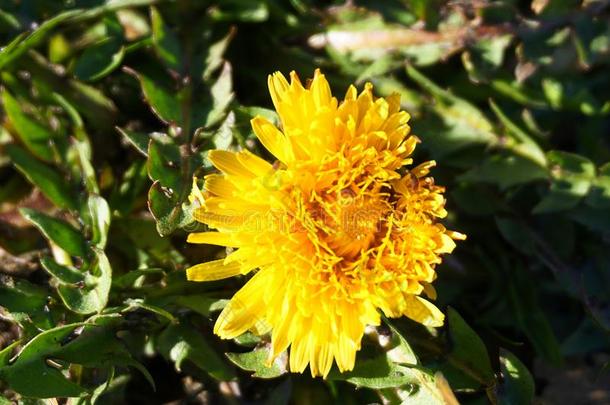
336,230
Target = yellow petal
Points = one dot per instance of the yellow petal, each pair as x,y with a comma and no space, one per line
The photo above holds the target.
271,138
345,353
299,352
196,194
430,290
257,165
320,90
219,185
227,163
244,310
214,270
423,311
278,86
212,238
423,169
447,244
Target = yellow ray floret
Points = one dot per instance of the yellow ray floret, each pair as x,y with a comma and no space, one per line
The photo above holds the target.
336,231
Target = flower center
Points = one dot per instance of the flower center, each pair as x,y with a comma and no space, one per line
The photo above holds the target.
346,223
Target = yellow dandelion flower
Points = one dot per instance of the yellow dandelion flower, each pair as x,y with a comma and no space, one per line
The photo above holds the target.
335,231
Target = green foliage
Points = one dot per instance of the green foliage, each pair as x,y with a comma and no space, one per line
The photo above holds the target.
109,108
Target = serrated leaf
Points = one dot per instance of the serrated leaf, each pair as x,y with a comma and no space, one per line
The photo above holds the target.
57,231
50,183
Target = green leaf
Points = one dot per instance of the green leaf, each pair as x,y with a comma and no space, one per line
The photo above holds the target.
7,51
201,303
517,234
223,138
99,216
256,361
180,343
401,351
138,139
15,50
87,171
241,10
221,91
168,214
98,346
505,170
599,194
528,147
522,298
7,353
93,297
99,60
164,163
214,54
34,135
376,373
475,199
22,297
572,176
469,349
167,198
166,42
163,101
135,303
517,386
86,344
57,231
128,279
65,274
31,365
459,123
50,183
